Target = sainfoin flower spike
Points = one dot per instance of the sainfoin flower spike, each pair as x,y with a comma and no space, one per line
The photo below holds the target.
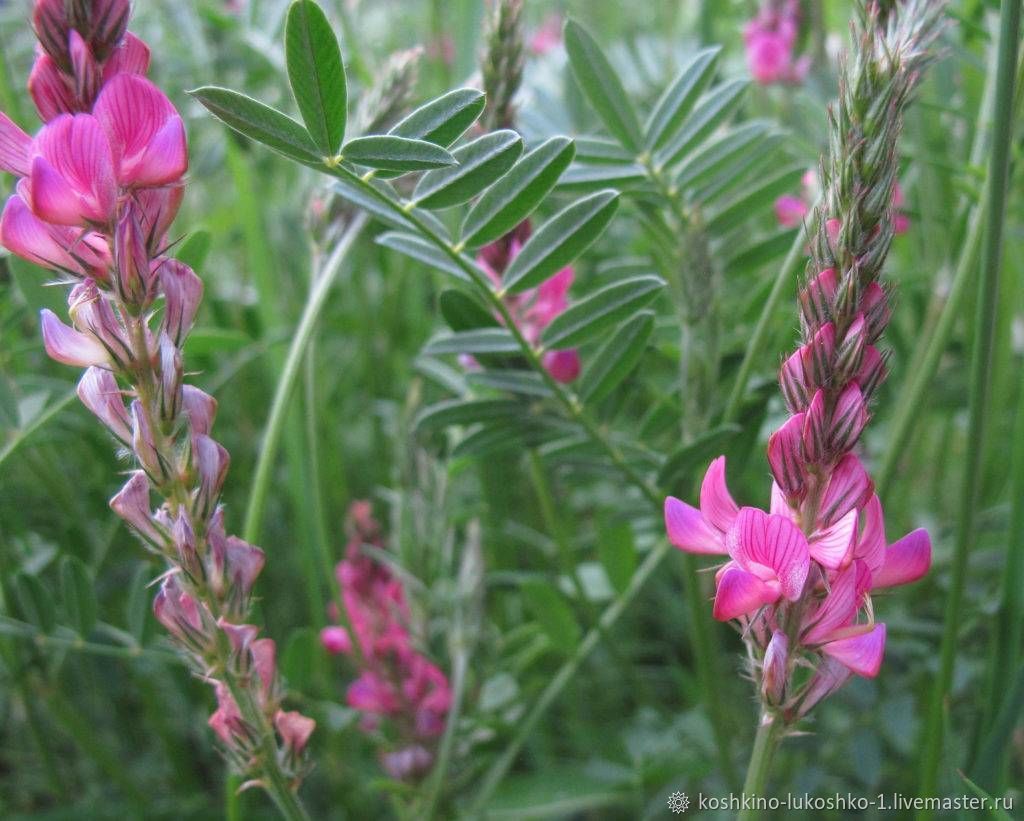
797,578
404,697
98,188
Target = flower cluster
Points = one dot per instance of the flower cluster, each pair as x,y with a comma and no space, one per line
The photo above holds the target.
533,310
792,209
397,684
770,39
98,188
799,577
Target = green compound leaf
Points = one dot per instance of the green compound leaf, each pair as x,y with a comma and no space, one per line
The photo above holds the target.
316,74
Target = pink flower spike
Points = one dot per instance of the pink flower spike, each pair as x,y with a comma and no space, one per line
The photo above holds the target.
72,172
98,391
65,344
564,366
861,650
14,147
716,503
689,530
740,593
145,130
772,547
294,729
906,560
336,640
832,548
790,211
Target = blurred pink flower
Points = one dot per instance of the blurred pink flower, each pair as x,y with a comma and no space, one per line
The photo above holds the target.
770,38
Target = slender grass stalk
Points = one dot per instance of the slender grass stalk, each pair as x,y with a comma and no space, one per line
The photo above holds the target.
786,276
460,663
978,401
290,373
765,743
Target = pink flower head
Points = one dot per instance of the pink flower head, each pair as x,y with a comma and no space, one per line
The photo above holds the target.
770,39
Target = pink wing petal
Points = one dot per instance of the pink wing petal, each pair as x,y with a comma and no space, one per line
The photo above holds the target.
64,344
906,560
833,547
862,652
688,530
850,487
24,234
716,503
838,609
774,542
740,593
14,147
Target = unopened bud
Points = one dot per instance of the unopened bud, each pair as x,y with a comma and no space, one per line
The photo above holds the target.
786,458
774,669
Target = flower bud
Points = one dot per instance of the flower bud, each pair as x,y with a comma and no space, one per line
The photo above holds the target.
294,729
774,669
875,306
144,445
227,721
211,461
851,350
99,392
849,417
564,366
170,379
183,538
86,71
818,356
793,381
242,564
816,299
108,25
181,614
264,662
200,407
132,504
849,487
872,371
50,90
814,435
51,25
132,275
786,458
183,291
92,314
336,640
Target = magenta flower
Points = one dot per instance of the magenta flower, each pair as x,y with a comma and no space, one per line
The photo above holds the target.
399,691
535,309
770,38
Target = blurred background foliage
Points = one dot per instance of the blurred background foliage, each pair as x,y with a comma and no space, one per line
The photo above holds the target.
98,719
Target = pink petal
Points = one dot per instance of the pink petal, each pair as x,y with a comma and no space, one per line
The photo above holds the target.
14,147
774,542
130,57
72,172
833,547
716,503
50,90
145,131
64,344
294,729
838,609
829,677
24,234
790,211
849,487
862,652
688,530
871,547
906,560
740,593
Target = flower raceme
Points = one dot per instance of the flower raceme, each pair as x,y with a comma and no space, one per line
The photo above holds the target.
98,188
791,210
534,309
398,690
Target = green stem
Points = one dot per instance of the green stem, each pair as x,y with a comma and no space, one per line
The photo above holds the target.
500,767
444,753
785,276
765,743
981,366
289,375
